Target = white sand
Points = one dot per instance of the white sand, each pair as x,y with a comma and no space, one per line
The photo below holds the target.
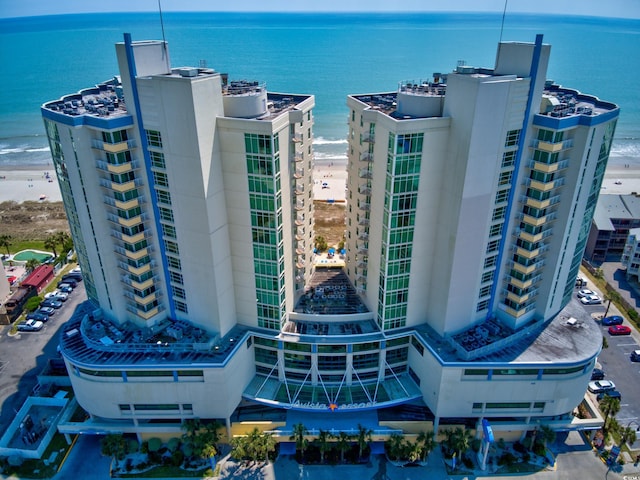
21,184
26,183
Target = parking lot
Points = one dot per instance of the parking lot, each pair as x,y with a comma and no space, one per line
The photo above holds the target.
24,355
615,361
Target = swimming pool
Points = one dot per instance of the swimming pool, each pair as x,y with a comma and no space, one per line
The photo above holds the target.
26,255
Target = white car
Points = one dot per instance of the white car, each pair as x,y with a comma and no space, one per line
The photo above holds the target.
51,294
62,296
584,292
591,300
600,386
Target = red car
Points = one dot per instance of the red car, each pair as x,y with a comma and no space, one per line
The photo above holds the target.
619,330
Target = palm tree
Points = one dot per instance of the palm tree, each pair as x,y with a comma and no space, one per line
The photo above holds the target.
414,451
32,264
323,443
610,407
547,435
343,444
395,446
299,432
209,451
428,443
50,244
268,445
363,438
628,435
5,241
64,240
114,445
459,441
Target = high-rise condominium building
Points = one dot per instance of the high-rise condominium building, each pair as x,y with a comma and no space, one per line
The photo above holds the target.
189,197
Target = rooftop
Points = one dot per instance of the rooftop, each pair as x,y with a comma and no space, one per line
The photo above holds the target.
620,207
562,102
104,100
330,293
88,338
571,337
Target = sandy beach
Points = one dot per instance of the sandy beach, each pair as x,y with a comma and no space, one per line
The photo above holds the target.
21,184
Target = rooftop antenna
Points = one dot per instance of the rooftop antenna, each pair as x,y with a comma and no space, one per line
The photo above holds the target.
164,40
504,13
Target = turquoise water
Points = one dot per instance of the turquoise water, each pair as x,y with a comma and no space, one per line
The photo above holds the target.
328,55
26,255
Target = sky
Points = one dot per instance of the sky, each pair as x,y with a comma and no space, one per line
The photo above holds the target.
597,8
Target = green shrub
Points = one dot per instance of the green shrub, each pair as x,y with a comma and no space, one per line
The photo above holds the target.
173,444
154,444
33,303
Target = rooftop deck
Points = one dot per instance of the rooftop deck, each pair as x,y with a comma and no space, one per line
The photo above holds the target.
89,339
330,293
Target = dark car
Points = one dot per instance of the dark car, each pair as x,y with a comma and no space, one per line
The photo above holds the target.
635,356
37,315
50,302
75,276
610,393
597,374
67,283
612,320
619,330
47,310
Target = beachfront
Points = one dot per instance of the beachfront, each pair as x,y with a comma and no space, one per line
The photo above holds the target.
329,183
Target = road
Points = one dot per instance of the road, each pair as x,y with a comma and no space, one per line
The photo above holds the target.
24,355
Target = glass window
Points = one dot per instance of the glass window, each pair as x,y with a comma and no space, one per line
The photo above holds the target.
154,139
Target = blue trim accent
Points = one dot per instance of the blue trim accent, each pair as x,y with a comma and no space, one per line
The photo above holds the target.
131,64
559,123
490,374
121,121
125,379
535,63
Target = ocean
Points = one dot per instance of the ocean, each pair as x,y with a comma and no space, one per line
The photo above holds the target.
327,55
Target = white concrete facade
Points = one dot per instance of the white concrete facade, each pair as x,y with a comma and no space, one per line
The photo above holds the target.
468,205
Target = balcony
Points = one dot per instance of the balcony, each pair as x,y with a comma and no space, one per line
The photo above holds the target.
133,238
364,189
137,255
365,173
366,157
143,285
299,205
519,283
513,312
113,147
296,137
363,221
298,156
299,220
363,236
363,248
147,315
138,270
552,147
369,138
298,173
299,189
364,206
528,253
545,186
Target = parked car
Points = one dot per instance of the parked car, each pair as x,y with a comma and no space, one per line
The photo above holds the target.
585,292
591,300
51,302
51,294
38,315
635,356
600,386
581,282
610,393
65,287
612,320
77,276
47,310
597,374
70,280
619,330
30,326
62,296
